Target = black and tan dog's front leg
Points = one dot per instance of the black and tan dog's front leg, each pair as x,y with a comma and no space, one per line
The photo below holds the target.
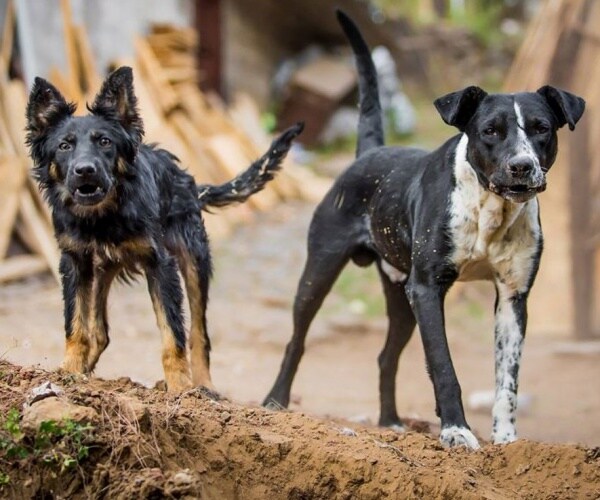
427,301
98,321
167,297
77,280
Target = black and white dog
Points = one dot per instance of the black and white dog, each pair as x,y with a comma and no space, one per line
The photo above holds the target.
466,211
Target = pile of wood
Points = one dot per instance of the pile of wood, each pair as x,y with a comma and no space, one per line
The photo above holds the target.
562,48
213,142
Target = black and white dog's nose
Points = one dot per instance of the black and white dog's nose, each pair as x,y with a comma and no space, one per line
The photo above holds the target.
520,167
85,169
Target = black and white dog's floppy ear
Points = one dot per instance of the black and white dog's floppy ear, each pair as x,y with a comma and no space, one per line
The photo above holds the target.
567,107
457,108
116,100
46,107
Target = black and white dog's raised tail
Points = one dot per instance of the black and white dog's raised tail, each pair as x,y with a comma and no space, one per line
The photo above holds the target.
466,211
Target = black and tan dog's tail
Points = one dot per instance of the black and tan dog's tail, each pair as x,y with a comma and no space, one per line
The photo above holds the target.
254,178
370,124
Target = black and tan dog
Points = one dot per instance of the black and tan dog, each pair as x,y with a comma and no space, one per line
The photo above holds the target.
121,207
465,211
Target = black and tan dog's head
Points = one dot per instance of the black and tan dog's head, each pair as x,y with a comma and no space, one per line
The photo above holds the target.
78,160
512,140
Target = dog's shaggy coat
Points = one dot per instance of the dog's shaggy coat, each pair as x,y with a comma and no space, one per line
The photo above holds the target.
121,207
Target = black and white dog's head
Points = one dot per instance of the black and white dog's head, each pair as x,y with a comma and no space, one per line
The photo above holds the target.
512,139
78,160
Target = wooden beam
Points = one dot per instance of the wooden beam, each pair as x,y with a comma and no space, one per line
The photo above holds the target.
41,232
21,266
12,180
8,35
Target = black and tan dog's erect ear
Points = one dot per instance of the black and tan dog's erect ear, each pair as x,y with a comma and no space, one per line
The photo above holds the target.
116,100
457,108
567,107
46,108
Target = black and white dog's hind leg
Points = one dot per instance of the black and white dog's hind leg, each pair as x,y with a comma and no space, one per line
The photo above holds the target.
400,329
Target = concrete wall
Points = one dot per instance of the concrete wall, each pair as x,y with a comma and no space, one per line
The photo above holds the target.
111,25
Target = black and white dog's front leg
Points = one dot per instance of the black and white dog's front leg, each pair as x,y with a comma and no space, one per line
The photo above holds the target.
511,321
427,301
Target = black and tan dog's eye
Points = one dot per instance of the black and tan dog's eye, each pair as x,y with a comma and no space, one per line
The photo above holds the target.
64,146
105,142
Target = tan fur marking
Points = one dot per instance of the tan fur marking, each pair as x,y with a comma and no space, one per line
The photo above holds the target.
78,343
175,362
200,362
121,166
97,316
54,172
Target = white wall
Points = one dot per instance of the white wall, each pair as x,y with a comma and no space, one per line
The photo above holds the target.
111,26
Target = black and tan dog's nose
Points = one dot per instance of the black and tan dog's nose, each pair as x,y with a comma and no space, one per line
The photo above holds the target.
520,167
85,169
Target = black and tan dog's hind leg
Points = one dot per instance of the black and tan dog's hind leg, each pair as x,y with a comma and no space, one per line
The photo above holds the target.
195,265
167,299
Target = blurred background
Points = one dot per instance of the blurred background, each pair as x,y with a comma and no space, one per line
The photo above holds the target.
214,79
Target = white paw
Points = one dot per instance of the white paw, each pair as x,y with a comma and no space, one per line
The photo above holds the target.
399,428
503,437
503,432
451,437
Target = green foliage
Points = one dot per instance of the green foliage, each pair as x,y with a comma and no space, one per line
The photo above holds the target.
360,287
61,444
10,439
4,479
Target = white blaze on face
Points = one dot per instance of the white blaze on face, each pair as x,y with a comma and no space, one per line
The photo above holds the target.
524,148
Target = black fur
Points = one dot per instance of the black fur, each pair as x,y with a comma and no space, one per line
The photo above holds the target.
121,207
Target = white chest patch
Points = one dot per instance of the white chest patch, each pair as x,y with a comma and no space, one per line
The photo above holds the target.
493,237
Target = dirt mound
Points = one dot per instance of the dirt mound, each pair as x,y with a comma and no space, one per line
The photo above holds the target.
122,440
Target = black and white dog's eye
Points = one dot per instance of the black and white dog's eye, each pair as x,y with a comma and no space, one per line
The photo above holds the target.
491,131
105,141
541,129
64,146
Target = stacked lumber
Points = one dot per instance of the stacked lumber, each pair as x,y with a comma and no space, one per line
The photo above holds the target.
23,214
561,48
213,142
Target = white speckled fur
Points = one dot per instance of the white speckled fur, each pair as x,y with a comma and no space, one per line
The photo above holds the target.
486,227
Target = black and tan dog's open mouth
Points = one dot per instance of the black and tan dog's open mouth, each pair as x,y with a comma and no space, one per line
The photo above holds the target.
89,193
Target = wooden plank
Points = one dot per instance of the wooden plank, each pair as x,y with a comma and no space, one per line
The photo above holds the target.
86,61
40,230
582,253
8,35
21,266
153,73
73,69
12,180
15,102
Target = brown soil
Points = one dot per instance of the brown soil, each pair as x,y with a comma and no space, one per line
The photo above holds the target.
193,446
196,447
